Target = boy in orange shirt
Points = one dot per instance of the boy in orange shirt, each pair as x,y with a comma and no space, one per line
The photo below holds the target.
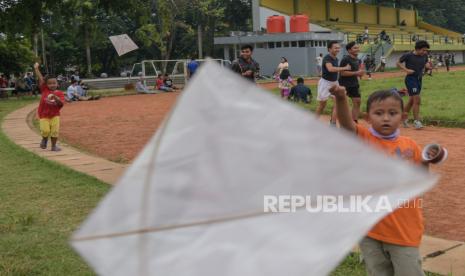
51,102
391,246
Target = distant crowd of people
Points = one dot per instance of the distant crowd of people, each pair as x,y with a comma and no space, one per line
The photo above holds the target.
380,37
439,60
19,83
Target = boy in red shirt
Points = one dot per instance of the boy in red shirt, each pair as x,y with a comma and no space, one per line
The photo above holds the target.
391,246
160,84
51,102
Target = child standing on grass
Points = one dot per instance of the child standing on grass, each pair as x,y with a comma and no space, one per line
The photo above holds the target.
51,102
391,247
285,83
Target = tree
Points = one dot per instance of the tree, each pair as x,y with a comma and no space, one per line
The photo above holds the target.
16,55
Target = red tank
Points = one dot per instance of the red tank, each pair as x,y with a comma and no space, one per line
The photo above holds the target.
276,24
299,23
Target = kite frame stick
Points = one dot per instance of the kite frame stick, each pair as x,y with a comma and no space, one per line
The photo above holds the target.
440,252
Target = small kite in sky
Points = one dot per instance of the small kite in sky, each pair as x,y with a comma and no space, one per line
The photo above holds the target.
192,203
123,44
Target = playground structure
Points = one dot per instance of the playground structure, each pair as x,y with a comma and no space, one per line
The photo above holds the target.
176,68
149,70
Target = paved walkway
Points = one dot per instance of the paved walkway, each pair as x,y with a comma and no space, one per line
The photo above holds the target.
16,127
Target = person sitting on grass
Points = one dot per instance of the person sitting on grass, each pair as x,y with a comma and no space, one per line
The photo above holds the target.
73,93
300,92
51,102
392,244
82,89
21,86
160,84
168,82
142,88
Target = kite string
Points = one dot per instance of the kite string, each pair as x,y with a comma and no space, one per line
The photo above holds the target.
176,226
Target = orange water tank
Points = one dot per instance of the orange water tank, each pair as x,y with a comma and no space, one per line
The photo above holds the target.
276,24
299,23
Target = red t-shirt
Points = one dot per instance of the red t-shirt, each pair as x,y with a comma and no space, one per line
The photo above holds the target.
47,109
159,84
3,83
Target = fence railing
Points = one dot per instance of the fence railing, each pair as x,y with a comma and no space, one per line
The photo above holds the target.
395,38
176,68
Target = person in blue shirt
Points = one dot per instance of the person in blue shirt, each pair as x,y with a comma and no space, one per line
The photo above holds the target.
300,92
192,67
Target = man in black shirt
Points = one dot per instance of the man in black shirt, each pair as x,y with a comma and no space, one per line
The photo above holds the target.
349,79
414,64
330,69
245,64
447,59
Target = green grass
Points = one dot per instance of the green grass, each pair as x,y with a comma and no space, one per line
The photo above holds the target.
350,266
41,204
443,97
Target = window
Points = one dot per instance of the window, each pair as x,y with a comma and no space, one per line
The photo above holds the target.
302,44
259,45
293,43
278,44
271,45
286,44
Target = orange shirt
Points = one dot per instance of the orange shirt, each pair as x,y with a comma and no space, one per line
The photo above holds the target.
404,226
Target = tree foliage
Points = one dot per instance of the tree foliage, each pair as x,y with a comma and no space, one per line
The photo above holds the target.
163,29
15,55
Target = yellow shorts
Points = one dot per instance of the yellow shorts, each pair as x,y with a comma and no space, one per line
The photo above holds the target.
50,127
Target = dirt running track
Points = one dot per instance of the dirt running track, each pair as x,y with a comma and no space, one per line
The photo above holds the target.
118,127
375,76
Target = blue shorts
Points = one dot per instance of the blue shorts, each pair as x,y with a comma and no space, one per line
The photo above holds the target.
413,84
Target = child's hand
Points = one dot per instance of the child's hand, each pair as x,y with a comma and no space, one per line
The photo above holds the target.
434,154
248,73
36,65
347,67
338,91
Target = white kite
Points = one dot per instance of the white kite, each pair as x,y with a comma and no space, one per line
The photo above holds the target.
192,203
123,44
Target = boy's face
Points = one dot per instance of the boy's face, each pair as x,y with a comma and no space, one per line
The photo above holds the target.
385,116
246,53
354,50
422,51
52,84
335,49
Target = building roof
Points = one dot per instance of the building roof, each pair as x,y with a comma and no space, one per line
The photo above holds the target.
261,38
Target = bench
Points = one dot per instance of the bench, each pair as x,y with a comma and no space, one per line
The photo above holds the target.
4,92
